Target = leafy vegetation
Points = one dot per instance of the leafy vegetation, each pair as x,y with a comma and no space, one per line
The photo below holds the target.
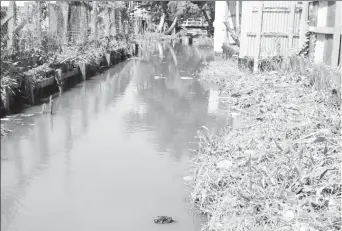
35,51
167,13
3,131
203,41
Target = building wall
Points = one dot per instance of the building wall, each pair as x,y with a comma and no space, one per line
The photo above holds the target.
220,30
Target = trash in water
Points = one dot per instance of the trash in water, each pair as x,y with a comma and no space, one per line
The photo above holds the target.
17,119
159,77
204,127
234,115
187,178
26,115
163,220
185,78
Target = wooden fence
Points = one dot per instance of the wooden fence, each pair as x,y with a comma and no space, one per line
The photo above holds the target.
270,28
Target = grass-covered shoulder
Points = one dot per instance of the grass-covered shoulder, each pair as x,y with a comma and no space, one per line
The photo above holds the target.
282,169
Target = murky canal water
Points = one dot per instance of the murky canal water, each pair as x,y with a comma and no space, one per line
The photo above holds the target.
114,154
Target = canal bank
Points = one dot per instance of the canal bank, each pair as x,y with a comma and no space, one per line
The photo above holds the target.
282,164
114,153
36,85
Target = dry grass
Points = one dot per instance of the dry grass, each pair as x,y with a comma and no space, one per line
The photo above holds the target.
281,171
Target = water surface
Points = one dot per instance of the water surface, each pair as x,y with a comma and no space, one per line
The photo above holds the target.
113,154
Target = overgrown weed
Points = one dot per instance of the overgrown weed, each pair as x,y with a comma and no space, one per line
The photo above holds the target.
153,36
203,41
282,170
89,52
3,131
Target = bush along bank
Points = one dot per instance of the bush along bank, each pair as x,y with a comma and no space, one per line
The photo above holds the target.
204,42
30,83
151,37
281,169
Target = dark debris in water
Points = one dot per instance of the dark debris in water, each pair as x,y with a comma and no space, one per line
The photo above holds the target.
163,220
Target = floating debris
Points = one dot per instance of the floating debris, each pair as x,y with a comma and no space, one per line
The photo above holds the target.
187,178
4,131
163,220
17,119
159,77
187,78
204,127
136,58
5,119
234,114
26,115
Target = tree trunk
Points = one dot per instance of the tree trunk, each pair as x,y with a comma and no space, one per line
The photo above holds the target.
164,15
39,22
107,21
11,43
161,24
232,33
94,22
84,23
173,25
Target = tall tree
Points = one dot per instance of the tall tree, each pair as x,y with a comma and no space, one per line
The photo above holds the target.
176,10
208,10
157,8
234,34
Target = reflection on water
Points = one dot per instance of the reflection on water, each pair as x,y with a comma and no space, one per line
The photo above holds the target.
112,155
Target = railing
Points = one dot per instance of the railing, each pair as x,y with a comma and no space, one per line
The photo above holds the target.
197,32
137,21
192,22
